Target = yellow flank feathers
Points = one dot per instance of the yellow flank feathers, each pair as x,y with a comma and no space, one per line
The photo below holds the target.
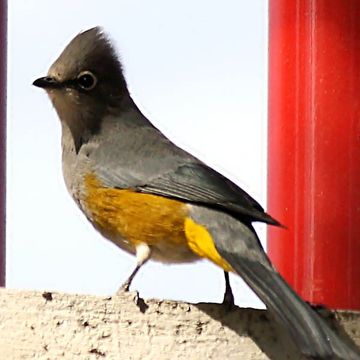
127,218
134,216
202,244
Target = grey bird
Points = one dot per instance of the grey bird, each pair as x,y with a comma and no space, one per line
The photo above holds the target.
155,200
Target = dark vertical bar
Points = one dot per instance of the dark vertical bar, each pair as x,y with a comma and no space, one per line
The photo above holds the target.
314,147
3,51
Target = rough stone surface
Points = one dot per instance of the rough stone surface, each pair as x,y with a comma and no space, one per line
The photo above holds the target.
35,325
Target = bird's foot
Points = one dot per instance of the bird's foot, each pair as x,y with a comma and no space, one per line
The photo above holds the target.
124,288
229,300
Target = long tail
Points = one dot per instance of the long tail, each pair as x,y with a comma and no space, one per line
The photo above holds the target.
309,331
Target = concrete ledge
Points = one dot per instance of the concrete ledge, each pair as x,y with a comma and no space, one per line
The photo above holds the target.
35,325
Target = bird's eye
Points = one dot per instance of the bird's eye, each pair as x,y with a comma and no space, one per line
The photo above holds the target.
86,80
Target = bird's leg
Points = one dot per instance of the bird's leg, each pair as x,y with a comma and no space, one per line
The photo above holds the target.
126,285
143,253
229,300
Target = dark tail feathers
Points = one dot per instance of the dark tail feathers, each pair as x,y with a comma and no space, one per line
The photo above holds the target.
312,335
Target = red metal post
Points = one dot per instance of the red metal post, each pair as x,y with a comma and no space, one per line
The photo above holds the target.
3,28
314,147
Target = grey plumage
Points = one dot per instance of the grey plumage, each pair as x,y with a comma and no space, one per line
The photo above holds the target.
105,133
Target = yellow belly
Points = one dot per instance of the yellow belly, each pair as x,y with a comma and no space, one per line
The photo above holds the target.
127,218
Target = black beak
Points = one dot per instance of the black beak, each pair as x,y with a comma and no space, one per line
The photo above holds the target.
47,82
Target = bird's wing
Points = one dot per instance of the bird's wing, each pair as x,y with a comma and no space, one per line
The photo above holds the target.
197,183
146,161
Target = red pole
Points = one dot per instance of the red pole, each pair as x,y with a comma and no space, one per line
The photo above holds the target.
314,147
3,28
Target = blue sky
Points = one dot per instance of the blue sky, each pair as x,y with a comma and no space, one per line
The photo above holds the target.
198,70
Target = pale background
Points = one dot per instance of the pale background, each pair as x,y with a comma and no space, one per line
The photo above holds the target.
198,70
